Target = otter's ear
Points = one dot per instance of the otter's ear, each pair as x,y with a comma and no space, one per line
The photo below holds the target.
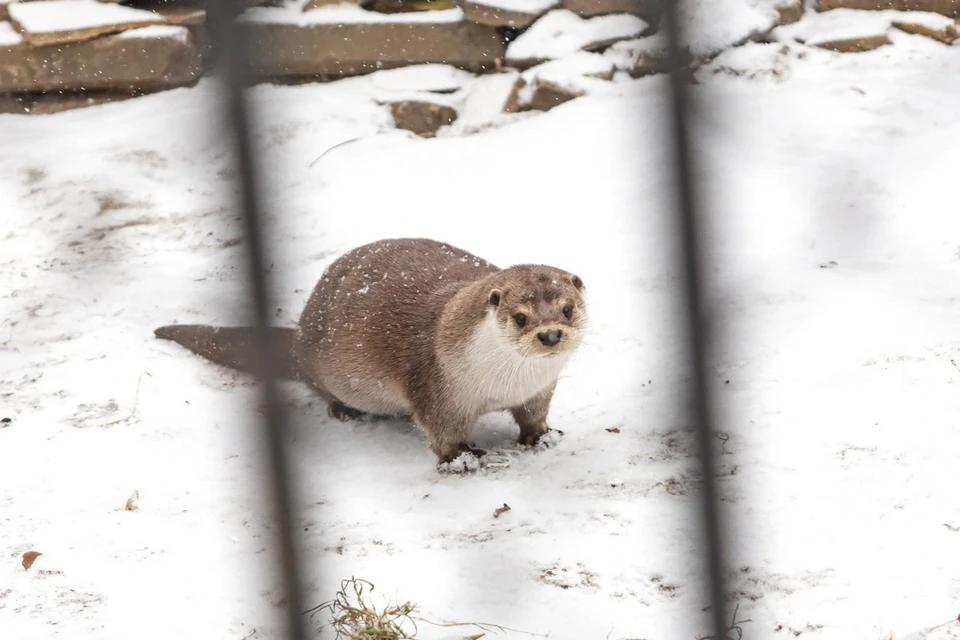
495,296
577,282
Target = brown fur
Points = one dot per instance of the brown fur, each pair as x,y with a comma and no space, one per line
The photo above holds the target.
233,346
421,328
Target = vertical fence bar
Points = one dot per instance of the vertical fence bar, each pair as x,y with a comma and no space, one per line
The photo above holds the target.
234,61
698,326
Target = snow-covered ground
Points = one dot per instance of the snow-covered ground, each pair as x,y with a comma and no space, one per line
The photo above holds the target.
831,192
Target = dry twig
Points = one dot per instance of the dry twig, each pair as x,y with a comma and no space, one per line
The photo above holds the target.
734,628
133,411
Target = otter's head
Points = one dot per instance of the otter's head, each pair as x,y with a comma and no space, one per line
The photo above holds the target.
541,310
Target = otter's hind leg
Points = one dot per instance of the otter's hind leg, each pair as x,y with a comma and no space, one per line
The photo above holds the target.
335,408
342,412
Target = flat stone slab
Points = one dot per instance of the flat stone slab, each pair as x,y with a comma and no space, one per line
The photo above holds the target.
648,9
558,81
159,56
506,13
46,103
945,33
346,40
949,8
850,30
546,95
561,33
43,22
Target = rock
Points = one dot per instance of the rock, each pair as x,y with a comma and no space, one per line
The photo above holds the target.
55,102
649,10
790,10
553,83
44,22
949,8
640,57
407,6
561,33
854,45
138,60
506,13
946,33
422,117
346,40
547,95
850,30
185,16
488,97
316,4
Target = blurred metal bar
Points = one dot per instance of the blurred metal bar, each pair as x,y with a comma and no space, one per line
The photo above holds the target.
232,56
698,325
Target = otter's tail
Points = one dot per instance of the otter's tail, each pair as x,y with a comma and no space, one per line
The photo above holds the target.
234,346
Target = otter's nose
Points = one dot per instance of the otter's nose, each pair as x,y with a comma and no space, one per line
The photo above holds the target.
551,337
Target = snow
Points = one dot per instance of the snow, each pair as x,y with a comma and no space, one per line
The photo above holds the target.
847,24
485,99
158,31
423,77
9,37
292,13
52,16
580,63
627,53
829,194
520,6
561,32
714,25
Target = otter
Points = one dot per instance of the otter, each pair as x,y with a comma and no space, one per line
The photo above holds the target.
419,328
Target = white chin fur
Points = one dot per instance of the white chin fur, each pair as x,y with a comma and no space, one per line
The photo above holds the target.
497,375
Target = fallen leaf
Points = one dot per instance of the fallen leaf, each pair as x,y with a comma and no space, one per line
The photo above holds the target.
29,558
613,429
133,502
500,510
951,527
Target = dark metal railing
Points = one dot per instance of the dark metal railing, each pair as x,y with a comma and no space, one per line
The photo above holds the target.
234,54
698,326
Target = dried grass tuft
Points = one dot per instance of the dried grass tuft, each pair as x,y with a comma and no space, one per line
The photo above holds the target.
354,616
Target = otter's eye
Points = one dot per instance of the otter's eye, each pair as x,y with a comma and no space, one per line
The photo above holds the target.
520,319
568,311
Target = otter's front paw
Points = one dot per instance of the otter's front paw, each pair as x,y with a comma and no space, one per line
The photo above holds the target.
466,462
544,440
